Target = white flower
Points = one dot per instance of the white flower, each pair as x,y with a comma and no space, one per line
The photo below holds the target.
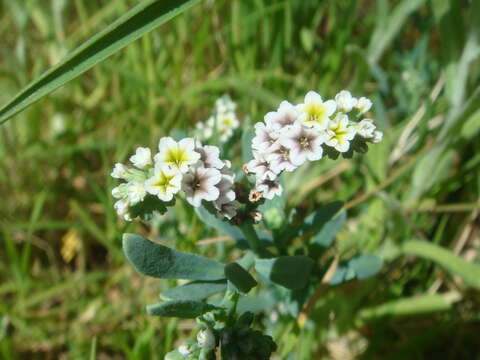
366,128
206,339
265,137
314,112
377,137
120,191
185,350
259,166
227,120
199,184
142,158
121,206
345,101
286,115
279,158
164,183
304,144
363,105
179,155
226,193
136,192
228,210
269,187
119,171
209,155
340,133
225,104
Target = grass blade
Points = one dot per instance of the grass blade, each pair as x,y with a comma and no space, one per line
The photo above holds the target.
135,23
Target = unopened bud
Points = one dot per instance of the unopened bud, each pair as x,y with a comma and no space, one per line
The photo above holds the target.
256,216
245,169
254,196
206,339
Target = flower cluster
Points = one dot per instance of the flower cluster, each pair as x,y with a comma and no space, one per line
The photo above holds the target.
294,134
222,122
186,166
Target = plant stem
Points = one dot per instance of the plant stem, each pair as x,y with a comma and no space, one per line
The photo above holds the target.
252,238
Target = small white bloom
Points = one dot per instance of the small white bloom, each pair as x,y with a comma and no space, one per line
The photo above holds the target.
142,158
345,101
199,184
265,137
279,158
120,191
119,171
340,133
286,115
164,183
377,137
259,166
366,128
314,112
227,120
185,350
363,105
209,155
121,206
225,187
269,187
136,192
304,144
179,155
206,339
225,104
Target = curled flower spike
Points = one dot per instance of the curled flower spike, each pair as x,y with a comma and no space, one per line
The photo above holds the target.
178,155
199,184
340,133
164,183
314,112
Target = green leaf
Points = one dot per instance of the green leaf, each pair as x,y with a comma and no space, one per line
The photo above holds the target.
195,290
325,237
186,309
359,266
160,261
138,21
470,273
239,277
291,272
273,212
407,307
365,265
317,219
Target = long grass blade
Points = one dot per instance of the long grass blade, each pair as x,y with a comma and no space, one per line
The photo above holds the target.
141,19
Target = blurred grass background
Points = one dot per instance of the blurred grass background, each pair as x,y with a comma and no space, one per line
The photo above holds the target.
66,289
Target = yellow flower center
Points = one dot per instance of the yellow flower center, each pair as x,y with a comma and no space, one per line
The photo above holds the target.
227,121
164,182
340,132
176,157
316,112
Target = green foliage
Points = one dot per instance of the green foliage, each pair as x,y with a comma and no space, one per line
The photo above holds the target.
239,277
160,261
195,290
289,271
180,308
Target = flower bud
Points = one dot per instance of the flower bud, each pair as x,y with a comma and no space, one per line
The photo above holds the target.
206,339
254,196
256,216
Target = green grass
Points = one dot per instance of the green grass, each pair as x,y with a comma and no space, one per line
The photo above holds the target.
417,60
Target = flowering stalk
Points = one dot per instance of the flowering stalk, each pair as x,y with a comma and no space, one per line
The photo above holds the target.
194,172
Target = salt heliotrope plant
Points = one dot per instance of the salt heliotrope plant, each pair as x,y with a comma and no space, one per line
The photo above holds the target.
279,273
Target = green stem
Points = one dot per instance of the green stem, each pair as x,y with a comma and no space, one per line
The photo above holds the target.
252,238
